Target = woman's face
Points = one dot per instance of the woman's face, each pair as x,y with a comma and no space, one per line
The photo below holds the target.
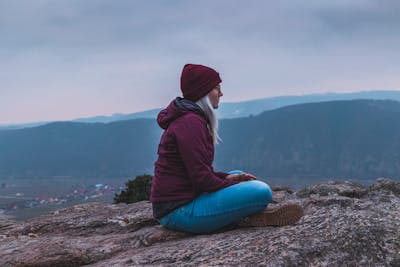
214,96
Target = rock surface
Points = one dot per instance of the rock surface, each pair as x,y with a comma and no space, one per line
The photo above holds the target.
345,224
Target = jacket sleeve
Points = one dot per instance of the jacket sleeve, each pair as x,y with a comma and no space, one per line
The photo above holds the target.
221,174
192,139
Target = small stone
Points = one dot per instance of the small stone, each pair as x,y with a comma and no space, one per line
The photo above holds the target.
33,235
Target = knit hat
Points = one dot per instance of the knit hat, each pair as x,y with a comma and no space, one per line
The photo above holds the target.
197,81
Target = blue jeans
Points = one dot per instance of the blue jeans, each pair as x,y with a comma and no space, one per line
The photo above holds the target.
212,211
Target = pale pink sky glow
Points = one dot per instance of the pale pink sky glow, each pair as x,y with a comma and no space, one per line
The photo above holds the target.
68,59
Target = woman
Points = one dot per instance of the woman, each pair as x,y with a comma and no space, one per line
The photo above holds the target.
187,194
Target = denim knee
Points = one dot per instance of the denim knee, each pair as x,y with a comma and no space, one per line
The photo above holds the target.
261,191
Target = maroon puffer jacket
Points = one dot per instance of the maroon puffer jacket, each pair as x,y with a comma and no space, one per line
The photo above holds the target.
185,156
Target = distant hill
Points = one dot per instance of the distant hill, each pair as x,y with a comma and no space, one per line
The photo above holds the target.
358,139
240,109
255,107
148,114
80,149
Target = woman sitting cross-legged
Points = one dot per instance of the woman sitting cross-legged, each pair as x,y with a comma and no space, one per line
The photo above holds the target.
187,194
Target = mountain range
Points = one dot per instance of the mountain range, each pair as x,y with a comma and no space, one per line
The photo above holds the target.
238,109
357,139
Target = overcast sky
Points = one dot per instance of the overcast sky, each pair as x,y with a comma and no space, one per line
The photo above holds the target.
66,59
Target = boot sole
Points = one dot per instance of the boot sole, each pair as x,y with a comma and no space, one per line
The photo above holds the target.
281,216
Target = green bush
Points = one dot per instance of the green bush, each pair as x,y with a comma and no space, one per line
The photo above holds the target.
136,190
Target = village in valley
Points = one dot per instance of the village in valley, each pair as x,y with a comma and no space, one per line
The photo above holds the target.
83,193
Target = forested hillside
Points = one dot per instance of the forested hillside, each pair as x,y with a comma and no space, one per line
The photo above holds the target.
358,139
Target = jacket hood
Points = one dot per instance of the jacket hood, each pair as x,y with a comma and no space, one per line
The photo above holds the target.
177,108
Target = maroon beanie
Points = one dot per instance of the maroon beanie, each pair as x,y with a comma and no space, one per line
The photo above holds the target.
197,81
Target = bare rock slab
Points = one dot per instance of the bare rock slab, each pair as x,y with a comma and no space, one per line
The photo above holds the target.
345,224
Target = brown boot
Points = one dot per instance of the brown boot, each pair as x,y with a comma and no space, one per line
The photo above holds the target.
280,216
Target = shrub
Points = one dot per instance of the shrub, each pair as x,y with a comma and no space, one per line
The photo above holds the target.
136,190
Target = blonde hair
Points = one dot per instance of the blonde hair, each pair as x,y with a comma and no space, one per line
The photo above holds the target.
212,116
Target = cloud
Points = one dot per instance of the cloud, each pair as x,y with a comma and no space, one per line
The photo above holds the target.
103,56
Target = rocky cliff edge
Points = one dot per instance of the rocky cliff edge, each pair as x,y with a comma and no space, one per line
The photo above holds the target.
345,224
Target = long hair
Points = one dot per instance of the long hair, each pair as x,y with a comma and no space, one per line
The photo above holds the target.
205,104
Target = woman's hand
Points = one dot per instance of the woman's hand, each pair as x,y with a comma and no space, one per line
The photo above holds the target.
241,177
